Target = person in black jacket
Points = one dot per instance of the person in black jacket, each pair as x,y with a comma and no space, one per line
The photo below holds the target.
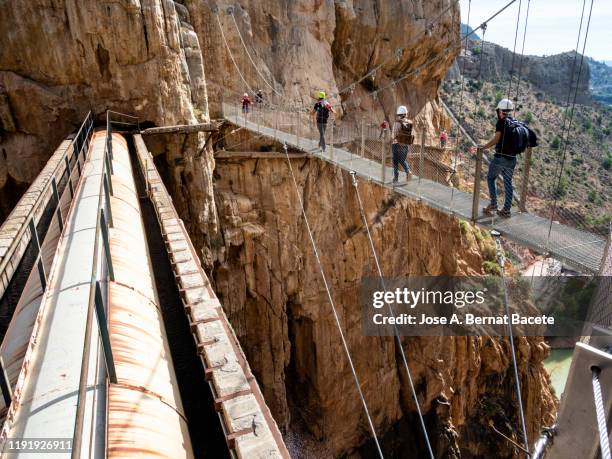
321,112
503,162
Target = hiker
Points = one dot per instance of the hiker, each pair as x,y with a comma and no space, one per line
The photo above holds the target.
246,103
511,138
384,128
443,138
321,112
402,137
259,97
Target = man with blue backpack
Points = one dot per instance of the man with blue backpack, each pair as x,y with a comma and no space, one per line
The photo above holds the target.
321,111
512,137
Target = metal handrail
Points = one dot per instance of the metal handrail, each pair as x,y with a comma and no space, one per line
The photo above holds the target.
109,120
95,298
16,240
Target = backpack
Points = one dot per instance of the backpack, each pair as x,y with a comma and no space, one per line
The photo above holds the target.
404,135
517,137
322,109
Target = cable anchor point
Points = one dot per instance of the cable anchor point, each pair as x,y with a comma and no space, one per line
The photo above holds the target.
354,178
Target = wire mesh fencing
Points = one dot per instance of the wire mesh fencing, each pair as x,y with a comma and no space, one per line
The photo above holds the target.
453,176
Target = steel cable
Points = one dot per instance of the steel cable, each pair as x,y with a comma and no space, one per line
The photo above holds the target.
395,330
232,55
517,381
571,117
335,313
251,59
604,442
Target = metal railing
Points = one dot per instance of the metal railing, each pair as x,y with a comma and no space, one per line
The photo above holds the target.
452,178
72,160
62,173
96,303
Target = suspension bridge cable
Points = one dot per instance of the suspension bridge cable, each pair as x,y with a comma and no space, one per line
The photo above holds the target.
569,89
518,83
571,117
395,330
518,20
517,381
250,58
600,412
482,45
230,53
335,313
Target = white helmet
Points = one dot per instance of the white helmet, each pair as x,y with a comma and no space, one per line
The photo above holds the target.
246,95
505,105
402,110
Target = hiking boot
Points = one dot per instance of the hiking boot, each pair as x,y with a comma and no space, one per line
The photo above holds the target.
504,213
490,209
394,181
408,176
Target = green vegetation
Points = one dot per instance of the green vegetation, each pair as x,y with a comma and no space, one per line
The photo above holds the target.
491,267
556,142
585,188
561,187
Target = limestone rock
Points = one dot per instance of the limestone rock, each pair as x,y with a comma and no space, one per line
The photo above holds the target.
269,283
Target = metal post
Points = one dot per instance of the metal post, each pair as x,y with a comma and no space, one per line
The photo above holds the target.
5,385
104,335
75,149
109,137
106,242
109,164
69,177
146,175
476,196
107,194
331,149
41,267
57,200
362,137
422,156
383,158
525,183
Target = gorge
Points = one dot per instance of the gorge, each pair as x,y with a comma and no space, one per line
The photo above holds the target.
165,62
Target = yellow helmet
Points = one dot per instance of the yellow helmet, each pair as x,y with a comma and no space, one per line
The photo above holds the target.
321,94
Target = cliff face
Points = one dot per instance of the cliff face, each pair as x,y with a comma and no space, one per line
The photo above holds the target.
268,280
302,47
549,74
147,57
65,58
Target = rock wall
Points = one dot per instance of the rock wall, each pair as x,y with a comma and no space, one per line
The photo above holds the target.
550,74
268,281
140,57
302,47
